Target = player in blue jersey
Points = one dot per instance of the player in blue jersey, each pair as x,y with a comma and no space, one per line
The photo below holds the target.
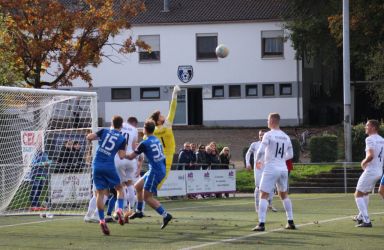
111,142
147,185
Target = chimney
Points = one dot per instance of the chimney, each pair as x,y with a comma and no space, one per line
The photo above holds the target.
166,5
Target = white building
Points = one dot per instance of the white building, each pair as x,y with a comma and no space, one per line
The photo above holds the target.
259,76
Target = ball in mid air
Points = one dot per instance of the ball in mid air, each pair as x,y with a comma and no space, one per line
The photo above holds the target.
222,51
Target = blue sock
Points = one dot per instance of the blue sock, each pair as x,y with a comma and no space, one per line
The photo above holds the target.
139,206
120,203
160,210
111,205
101,214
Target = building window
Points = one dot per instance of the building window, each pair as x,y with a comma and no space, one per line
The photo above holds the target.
268,89
150,93
205,46
218,91
234,91
121,94
251,90
286,89
154,54
272,43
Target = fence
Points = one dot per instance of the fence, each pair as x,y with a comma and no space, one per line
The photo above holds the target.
335,177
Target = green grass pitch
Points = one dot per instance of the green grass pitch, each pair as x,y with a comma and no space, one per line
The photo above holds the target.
323,220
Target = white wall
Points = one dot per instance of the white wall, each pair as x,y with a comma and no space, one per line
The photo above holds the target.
178,47
141,110
249,109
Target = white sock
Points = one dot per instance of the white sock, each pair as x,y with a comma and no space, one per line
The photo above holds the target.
270,198
362,208
131,196
257,198
91,206
263,206
366,200
288,208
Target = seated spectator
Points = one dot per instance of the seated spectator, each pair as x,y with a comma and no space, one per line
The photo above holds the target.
185,157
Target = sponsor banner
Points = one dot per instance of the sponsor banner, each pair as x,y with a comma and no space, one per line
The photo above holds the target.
30,141
174,185
210,181
70,188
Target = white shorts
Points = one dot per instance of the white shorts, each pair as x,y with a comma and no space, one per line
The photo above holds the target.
126,169
271,179
367,182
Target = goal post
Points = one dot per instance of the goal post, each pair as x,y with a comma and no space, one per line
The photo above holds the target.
45,159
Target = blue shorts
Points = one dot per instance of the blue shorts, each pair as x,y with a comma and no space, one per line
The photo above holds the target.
382,181
105,178
152,180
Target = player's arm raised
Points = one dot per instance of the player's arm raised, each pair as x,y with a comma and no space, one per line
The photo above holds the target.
172,109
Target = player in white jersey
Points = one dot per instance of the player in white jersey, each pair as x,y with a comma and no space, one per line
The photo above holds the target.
257,172
275,149
127,169
373,170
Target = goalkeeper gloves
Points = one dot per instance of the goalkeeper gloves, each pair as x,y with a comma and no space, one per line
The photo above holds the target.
176,89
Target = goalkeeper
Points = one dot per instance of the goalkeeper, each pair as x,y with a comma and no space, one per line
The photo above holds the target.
164,133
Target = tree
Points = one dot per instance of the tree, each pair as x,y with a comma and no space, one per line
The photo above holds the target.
58,39
316,26
10,67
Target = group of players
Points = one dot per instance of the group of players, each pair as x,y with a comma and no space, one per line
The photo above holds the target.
275,147
115,165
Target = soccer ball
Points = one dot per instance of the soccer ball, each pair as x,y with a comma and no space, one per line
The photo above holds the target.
222,51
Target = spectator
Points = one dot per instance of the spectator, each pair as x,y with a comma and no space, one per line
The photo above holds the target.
185,157
201,157
193,150
214,158
39,177
66,156
225,157
78,157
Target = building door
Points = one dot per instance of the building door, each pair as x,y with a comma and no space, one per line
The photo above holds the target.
181,109
195,106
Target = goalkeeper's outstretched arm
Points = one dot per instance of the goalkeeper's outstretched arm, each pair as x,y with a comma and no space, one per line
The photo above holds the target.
172,108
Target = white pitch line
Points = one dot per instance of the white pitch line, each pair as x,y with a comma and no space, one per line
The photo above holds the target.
35,222
270,231
245,203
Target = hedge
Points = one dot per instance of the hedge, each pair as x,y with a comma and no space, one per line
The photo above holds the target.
323,148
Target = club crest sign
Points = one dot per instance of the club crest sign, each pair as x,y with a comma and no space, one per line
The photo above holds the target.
185,73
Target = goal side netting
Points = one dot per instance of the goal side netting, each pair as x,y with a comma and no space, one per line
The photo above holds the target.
45,159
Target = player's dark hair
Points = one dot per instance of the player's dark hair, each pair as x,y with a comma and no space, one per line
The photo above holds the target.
375,124
132,120
155,116
149,126
117,121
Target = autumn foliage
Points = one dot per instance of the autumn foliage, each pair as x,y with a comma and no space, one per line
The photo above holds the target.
57,39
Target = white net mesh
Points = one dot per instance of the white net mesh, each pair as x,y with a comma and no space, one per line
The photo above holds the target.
45,159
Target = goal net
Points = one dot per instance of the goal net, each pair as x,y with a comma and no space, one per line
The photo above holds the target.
45,159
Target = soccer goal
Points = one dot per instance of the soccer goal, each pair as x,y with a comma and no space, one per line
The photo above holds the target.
45,159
